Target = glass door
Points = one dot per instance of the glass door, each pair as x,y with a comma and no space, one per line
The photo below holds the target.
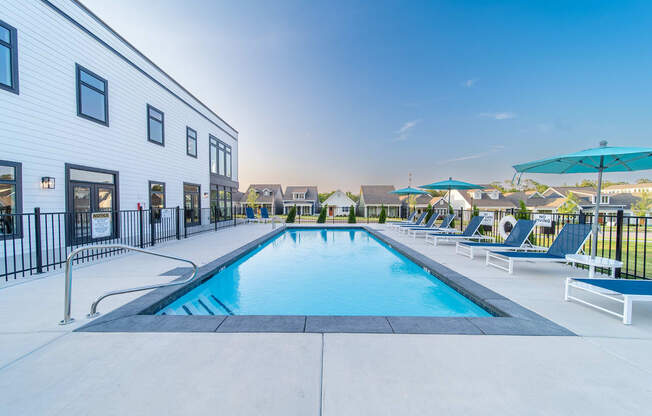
87,199
191,204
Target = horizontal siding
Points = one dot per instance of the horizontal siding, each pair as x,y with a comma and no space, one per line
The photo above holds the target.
40,127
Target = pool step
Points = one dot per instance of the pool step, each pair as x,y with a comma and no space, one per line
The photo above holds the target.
203,306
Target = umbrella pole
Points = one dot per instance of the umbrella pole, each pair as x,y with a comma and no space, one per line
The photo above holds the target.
594,246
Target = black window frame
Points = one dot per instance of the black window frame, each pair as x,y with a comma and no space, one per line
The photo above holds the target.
105,93
185,215
13,47
188,138
149,136
228,152
18,184
149,194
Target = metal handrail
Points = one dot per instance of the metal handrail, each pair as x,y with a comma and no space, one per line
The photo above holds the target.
66,310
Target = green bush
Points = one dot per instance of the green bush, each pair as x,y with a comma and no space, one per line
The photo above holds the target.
429,211
383,215
352,215
322,215
451,211
522,213
291,215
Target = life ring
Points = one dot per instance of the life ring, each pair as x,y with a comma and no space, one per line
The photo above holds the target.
506,225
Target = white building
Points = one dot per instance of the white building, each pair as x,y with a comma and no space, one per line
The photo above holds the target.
338,204
88,123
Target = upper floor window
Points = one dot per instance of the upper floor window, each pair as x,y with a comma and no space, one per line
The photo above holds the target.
92,96
10,199
191,142
155,129
220,157
8,58
299,195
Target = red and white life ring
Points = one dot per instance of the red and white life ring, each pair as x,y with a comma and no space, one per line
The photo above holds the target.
506,225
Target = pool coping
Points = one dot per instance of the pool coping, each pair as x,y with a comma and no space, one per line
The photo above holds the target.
509,318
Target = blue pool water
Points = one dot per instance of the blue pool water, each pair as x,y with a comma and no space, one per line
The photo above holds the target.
324,272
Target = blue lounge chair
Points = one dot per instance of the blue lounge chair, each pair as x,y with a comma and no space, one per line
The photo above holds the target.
470,233
570,240
516,240
409,220
618,290
250,215
264,215
444,227
417,222
428,225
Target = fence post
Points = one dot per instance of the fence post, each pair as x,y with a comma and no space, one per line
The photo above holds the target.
177,225
37,240
461,218
619,238
582,218
152,225
215,216
141,228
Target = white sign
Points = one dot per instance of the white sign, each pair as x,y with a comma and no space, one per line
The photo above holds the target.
542,220
166,214
487,218
101,224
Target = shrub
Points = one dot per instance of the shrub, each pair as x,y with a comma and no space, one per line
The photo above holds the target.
291,215
352,215
383,215
322,215
429,211
451,211
522,213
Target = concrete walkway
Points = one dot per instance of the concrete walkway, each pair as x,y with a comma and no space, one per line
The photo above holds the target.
46,369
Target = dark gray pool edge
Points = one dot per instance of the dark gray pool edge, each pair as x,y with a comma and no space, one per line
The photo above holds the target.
509,317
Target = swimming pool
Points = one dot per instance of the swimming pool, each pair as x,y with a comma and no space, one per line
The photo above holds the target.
333,271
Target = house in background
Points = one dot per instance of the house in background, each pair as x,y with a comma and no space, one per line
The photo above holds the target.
338,204
269,196
634,189
487,199
372,197
305,198
239,203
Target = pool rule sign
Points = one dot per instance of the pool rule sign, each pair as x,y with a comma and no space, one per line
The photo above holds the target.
101,224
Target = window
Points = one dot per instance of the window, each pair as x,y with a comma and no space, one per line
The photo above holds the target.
8,58
92,96
191,142
155,130
298,195
10,199
156,199
191,204
220,157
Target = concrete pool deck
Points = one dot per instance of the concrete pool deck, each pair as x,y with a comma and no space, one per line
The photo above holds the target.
48,369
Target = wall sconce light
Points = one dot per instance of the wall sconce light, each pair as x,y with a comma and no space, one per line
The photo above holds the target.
47,182
205,194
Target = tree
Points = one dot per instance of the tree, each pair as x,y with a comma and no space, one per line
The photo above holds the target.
571,204
383,215
643,180
451,211
291,215
252,197
324,196
429,211
412,201
322,215
351,215
522,213
354,197
643,206
475,211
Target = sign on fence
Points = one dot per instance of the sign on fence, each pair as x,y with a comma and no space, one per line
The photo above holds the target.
487,218
166,215
101,224
542,220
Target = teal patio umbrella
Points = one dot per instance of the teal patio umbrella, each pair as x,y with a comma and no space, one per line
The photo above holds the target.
408,191
449,185
600,159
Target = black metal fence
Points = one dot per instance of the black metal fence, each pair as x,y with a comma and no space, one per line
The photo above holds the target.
621,237
38,242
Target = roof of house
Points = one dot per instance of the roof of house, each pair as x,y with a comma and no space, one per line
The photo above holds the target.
261,187
311,192
238,196
379,194
630,185
485,201
339,198
565,190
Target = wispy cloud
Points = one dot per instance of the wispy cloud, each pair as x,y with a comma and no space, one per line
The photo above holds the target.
505,115
402,133
492,149
470,82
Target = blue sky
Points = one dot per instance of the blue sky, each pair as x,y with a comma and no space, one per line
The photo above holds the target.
343,93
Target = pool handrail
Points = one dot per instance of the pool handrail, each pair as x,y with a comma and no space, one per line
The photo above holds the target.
67,319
